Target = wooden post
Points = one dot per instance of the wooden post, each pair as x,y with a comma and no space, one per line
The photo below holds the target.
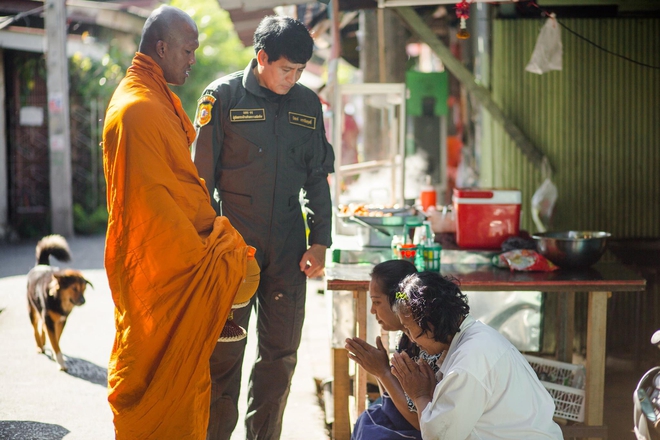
59,136
341,389
4,181
361,332
382,60
381,45
566,325
596,338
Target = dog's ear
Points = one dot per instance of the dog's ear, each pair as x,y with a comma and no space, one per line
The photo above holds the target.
88,282
53,286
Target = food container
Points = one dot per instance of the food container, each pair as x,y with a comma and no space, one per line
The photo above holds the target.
377,226
443,220
408,252
486,217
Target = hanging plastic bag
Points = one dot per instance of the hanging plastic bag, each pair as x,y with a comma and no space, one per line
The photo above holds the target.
543,200
466,175
547,53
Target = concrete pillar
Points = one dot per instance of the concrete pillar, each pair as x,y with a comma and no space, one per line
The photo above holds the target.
4,181
59,135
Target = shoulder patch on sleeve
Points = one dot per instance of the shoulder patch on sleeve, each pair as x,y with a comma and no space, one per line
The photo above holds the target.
204,107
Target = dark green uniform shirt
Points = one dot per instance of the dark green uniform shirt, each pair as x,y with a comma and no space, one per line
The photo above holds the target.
258,149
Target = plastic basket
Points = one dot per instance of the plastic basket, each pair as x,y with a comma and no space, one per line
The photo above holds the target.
557,377
432,257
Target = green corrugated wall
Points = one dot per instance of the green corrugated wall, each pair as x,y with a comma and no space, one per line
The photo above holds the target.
597,120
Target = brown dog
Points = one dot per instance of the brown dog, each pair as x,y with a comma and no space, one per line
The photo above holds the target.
53,293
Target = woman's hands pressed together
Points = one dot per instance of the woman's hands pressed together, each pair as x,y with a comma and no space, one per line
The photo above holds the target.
374,360
416,378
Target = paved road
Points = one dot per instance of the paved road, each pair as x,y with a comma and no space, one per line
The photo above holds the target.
37,401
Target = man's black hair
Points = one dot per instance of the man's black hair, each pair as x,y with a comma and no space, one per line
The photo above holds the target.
435,303
389,274
283,37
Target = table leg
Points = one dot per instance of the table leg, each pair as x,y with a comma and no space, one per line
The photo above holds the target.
596,338
566,326
341,389
361,332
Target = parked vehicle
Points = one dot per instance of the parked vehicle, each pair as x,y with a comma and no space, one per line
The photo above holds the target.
646,399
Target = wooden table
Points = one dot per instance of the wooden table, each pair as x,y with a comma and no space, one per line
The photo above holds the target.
599,281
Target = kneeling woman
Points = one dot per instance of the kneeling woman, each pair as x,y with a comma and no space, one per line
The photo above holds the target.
395,417
486,388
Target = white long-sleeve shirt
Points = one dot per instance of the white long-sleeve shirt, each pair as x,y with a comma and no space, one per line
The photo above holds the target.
488,391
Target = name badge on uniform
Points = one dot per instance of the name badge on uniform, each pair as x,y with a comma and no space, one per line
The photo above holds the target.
247,115
204,107
302,120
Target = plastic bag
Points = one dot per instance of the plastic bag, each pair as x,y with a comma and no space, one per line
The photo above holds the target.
525,260
543,200
543,204
547,53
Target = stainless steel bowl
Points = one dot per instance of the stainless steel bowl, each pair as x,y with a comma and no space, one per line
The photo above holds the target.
572,249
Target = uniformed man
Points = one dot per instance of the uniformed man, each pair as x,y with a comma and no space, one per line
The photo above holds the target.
260,140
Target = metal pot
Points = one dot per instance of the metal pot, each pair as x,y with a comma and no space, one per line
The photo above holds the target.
572,249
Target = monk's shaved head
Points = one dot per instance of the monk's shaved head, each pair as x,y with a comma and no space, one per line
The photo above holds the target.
165,23
170,38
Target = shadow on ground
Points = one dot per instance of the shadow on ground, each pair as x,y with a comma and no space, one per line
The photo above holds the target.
25,429
82,369
88,371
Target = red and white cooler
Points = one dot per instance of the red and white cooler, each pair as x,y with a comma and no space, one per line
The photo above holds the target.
486,217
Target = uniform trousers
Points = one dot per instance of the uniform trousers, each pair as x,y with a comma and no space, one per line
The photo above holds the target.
280,312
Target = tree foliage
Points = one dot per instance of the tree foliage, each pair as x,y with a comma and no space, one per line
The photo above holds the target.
91,79
220,51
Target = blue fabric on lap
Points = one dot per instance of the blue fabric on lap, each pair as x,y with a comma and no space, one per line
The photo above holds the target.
384,422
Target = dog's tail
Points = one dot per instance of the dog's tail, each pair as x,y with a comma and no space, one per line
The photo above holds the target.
54,245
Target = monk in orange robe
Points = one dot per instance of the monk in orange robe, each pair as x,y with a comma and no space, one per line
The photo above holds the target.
175,269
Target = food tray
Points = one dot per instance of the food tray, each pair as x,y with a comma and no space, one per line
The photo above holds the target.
392,220
569,401
377,216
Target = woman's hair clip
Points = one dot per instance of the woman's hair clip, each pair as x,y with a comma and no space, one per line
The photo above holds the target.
401,295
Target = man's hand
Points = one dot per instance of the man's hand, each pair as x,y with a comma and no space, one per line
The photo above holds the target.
374,360
417,379
313,261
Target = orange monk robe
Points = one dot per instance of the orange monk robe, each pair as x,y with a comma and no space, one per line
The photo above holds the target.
173,266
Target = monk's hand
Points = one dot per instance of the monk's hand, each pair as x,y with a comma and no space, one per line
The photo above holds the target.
373,359
415,381
313,261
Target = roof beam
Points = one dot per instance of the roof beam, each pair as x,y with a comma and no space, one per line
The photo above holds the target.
34,40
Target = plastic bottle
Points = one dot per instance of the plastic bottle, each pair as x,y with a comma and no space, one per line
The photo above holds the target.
397,240
428,195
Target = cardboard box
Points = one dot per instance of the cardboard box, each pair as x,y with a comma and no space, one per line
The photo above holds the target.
486,217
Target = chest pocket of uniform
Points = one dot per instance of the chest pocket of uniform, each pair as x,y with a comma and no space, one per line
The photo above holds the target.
302,151
237,150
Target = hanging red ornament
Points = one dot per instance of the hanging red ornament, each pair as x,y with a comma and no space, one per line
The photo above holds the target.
463,13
